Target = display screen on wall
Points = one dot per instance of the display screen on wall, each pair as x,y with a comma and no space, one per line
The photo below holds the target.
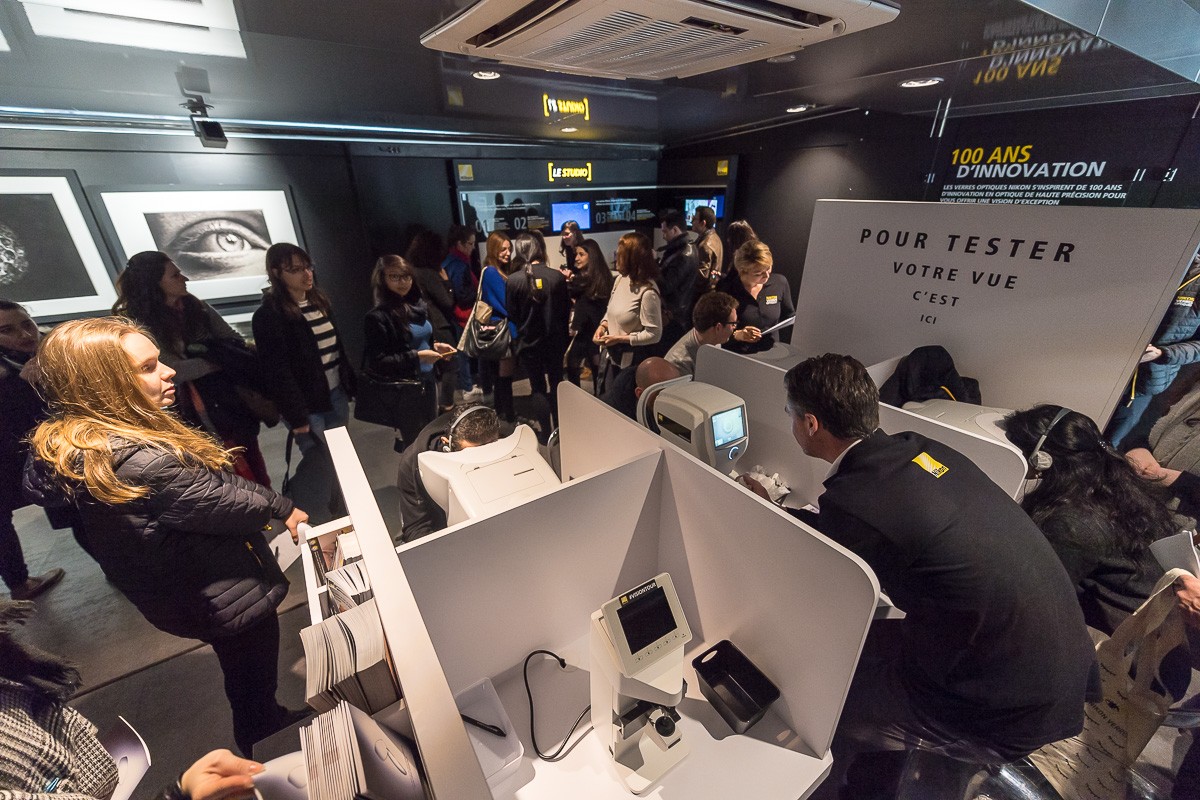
716,203
546,210
578,212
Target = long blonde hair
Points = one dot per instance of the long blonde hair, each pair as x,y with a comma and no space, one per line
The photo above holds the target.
95,399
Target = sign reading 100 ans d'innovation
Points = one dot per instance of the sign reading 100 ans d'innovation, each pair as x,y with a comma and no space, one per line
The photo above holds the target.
1041,304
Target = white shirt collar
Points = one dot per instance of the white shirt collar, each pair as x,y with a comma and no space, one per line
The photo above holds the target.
837,462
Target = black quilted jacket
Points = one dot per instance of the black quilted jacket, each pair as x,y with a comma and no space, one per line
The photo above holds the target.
191,555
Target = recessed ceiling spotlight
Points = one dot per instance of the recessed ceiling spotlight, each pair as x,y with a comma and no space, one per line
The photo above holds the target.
800,108
485,74
786,58
920,83
569,129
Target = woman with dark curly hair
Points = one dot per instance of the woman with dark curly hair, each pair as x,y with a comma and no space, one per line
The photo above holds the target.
209,357
1099,516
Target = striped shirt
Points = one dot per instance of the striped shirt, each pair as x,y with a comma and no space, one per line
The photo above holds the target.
327,342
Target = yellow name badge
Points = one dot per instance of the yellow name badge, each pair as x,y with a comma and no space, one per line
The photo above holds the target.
931,465
772,299
538,282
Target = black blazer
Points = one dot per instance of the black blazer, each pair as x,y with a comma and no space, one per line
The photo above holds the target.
541,325
388,346
291,364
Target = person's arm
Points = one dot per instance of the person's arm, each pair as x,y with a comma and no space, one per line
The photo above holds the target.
1187,590
383,355
273,347
651,318
200,500
219,775
1179,353
419,515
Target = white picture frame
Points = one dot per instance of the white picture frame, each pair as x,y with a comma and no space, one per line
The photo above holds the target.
217,237
49,258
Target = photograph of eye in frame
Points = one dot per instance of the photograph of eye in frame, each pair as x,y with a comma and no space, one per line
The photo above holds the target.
218,238
49,260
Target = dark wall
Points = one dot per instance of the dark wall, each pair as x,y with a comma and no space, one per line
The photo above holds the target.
783,171
342,229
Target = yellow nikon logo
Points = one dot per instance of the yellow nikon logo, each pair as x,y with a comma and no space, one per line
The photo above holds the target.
931,465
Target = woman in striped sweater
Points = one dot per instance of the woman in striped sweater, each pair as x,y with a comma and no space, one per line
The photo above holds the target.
304,364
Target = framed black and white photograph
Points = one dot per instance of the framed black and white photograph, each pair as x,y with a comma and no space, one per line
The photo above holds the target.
218,238
49,258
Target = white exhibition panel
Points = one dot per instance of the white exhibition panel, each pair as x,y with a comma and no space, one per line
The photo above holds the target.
743,572
1047,304
760,385
446,752
743,567
772,445
494,589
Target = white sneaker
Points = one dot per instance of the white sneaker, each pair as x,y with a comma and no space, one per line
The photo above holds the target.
473,395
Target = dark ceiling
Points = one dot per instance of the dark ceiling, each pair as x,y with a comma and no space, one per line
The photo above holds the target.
359,62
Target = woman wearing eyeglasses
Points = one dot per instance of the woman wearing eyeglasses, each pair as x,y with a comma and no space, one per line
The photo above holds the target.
303,361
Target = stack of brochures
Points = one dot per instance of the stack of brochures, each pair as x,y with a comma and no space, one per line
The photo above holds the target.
348,586
348,755
346,659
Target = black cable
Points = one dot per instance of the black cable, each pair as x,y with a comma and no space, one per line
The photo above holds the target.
558,754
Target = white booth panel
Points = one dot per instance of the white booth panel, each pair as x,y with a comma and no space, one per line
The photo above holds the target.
446,752
742,568
1040,304
492,590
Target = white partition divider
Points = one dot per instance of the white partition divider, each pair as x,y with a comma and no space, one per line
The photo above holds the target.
761,386
446,753
492,590
883,370
743,570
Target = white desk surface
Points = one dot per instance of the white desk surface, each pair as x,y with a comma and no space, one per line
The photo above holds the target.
721,764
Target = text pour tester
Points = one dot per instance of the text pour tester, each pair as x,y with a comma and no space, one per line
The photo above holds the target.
1036,250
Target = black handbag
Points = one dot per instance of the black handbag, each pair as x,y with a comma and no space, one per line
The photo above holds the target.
484,338
406,404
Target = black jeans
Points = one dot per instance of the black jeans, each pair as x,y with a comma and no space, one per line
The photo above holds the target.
13,571
250,663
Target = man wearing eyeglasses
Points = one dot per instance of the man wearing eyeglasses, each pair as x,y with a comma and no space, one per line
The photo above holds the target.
715,318
993,659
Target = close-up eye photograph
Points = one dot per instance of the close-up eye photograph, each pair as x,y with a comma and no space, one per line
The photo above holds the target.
212,244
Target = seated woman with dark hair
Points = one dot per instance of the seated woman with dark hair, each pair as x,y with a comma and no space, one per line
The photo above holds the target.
1099,516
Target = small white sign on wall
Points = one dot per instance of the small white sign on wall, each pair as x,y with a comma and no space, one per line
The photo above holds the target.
1040,304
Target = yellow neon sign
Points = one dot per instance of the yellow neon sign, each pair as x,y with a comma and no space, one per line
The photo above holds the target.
558,105
556,172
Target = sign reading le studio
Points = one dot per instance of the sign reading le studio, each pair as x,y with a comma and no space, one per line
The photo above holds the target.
568,172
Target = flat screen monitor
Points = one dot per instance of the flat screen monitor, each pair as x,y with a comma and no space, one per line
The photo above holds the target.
716,203
581,212
728,426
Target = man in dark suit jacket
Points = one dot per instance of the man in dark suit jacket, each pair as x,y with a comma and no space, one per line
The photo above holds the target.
993,659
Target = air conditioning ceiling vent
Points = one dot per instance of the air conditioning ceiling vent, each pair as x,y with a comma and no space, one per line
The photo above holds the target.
648,39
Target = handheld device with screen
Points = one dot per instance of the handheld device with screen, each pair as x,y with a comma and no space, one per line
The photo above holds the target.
646,623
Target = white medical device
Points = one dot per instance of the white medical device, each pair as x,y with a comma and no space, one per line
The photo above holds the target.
980,420
637,659
704,420
483,480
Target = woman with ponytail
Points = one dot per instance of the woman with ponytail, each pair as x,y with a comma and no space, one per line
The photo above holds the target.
1099,516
